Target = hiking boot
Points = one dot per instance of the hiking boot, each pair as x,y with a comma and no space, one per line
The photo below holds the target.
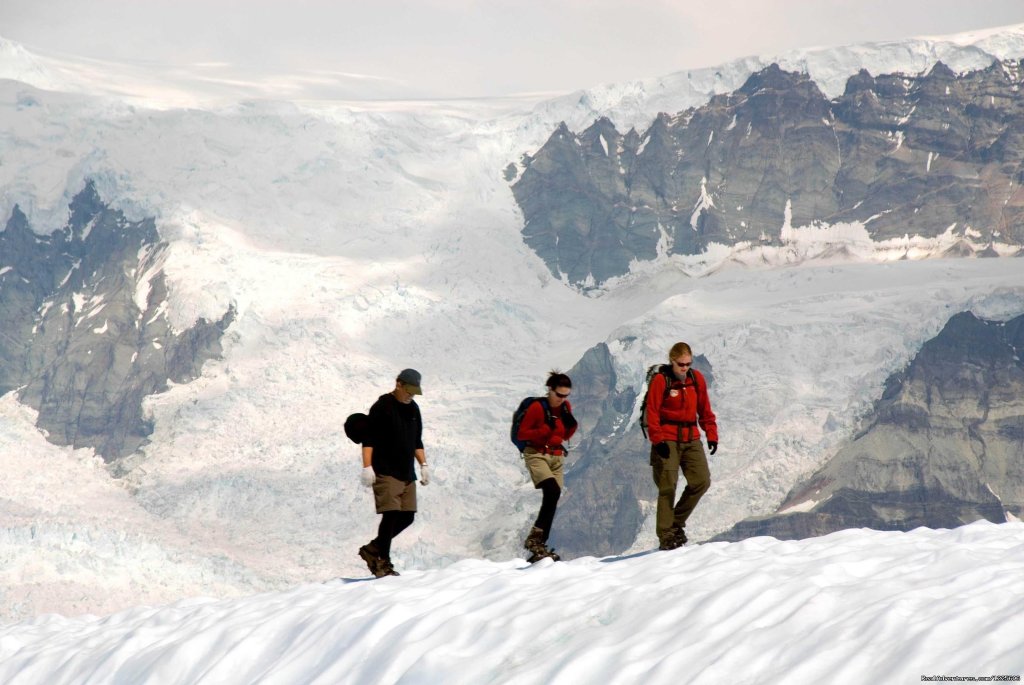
551,554
536,546
384,568
371,555
379,566
674,539
535,542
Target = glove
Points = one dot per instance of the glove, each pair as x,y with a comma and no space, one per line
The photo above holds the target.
424,475
712,446
555,441
367,476
661,449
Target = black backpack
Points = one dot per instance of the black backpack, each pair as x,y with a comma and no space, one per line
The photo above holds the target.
666,370
520,412
357,427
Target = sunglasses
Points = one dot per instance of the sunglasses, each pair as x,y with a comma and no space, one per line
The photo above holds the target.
682,364
560,394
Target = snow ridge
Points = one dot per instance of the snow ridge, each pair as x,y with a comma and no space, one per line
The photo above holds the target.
851,607
636,103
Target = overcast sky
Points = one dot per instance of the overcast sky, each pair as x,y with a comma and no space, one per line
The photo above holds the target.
485,48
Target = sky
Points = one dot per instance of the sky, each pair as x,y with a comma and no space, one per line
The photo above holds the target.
471,48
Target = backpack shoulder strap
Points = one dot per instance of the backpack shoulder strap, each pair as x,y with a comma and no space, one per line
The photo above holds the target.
568,420
693,379
670,378
548,418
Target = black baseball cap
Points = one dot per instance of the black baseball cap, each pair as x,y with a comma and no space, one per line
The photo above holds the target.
411,379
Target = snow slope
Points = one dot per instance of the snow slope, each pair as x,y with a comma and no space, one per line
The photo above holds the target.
148,83
355,239
74,540
856,606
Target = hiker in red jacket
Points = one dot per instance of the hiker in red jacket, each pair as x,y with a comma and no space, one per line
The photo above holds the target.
546,428
677,410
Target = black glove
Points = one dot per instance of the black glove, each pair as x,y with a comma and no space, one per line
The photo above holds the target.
712,446
661,449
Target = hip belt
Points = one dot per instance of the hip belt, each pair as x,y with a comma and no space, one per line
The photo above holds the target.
688,425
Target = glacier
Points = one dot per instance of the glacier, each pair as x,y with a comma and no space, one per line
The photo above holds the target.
357,238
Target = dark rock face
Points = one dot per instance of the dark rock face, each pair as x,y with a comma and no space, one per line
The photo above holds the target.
904,155
944,447
76,344
602,511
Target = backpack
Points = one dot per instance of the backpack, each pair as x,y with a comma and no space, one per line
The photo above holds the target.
666,370
520,412
357,427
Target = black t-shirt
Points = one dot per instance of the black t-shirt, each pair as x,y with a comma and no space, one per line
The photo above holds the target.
396,432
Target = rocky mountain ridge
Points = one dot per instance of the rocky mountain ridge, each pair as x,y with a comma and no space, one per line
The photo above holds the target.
85,334
916,165
943,447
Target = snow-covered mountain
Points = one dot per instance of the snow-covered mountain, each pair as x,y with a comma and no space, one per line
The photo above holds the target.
901,165
352,239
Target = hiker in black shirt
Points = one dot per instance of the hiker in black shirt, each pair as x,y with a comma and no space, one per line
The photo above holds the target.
394,441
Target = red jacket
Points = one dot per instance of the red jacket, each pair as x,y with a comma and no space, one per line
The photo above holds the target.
676,417
539,434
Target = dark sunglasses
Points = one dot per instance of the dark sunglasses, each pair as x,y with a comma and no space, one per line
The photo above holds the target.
561,395
682,364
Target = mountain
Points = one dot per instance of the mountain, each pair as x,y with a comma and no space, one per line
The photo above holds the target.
898,165
943,446
87,335
308,251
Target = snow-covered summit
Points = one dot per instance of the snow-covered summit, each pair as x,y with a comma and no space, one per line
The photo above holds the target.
636,103
19,64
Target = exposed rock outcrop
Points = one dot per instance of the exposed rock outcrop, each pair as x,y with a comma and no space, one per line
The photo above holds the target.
900,155
944,446
86,336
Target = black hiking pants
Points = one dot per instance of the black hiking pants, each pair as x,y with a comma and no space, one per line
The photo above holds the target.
391,524
548,505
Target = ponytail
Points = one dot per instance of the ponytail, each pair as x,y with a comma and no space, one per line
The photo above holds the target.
557,379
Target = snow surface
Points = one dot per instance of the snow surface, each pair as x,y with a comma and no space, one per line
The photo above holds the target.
73,540
357,239
856,606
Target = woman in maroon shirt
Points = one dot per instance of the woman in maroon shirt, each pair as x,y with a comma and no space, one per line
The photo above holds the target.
546,427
